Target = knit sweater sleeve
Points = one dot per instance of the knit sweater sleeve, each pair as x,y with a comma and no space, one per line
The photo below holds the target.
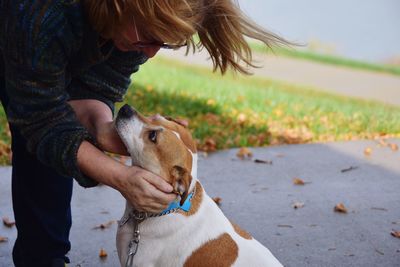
109,80
39,43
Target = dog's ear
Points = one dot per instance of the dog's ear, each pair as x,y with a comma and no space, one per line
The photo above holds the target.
181,122
181,181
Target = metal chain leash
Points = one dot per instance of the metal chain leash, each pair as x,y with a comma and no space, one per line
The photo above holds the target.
137,217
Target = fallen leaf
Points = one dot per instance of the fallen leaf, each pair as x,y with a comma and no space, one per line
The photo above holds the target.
285,226
394,147
3,239
382,143
340,208
351,168
269,162
298,181
368,151
209,145
298,205
244,152
377,208
104,225
103,253
241,118
395,234
211,102
7,222
217,200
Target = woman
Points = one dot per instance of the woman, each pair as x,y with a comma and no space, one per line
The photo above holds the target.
63,65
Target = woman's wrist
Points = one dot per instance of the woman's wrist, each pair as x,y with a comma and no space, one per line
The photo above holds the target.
100,167
108,138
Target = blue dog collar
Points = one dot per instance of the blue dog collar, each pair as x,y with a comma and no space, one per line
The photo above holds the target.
175,205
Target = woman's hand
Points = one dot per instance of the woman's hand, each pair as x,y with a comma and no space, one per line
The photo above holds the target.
108,138
97,118
145,190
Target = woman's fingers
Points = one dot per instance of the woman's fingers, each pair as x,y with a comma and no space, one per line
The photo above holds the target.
143,191
157,182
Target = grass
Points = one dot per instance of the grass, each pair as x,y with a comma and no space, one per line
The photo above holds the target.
328,59
235,111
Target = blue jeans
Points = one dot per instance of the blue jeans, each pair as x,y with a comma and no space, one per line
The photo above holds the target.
41,202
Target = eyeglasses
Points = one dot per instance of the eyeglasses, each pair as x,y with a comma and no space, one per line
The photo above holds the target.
161,45
141,44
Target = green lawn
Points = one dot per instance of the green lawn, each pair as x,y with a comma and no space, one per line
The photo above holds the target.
233,111
327,59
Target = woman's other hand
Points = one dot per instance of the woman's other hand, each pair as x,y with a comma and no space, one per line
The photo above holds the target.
96,116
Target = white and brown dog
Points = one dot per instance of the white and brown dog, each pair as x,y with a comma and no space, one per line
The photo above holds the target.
193,231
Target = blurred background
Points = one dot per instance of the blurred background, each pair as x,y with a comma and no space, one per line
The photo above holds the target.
343,84
364,30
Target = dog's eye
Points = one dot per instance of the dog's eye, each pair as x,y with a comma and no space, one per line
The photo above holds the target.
153,136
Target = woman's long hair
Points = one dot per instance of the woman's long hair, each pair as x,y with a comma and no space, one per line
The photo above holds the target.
220,24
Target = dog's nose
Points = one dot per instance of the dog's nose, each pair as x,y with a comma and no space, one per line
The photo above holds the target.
127,111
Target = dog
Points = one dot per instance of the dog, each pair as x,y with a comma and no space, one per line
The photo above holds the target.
193,231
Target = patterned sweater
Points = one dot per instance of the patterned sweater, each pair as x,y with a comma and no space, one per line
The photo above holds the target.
51,55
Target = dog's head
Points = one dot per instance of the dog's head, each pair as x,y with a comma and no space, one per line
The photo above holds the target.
161,145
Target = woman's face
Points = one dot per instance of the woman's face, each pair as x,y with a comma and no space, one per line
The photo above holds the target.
131,40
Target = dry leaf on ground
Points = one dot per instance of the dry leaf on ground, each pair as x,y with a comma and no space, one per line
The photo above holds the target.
377,208
209,145
244,152
395,234
7,222
340,208
298,205
104,225
3,239
269,162
217,200
394,147
103,253
368,151
351,168
298,181
383,143
285,226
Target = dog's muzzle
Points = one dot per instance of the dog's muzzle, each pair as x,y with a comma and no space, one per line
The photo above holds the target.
127,112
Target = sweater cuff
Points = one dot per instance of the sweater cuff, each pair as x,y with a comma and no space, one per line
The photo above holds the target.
59,150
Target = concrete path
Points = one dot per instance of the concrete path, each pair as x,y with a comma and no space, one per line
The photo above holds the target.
259,197
340,80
